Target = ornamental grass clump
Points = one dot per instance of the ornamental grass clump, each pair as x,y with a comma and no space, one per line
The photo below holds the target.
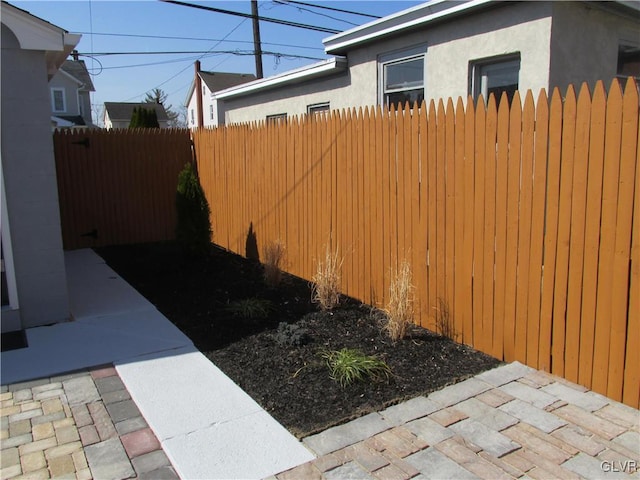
273,263
326,280
349,365
399,310
250,308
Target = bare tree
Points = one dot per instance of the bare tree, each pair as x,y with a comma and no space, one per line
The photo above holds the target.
157,95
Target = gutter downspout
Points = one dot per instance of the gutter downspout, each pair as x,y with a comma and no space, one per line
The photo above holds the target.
199,95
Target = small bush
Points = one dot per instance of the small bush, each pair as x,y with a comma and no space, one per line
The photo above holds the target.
292,335
193,228
250,308
326,281
273,262
399,310
349,365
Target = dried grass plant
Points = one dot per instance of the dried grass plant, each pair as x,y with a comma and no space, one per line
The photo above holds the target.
326,280
274,253
399,310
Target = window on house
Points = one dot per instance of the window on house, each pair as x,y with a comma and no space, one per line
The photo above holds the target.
277,117
204,89
318,108
193,121
495,76
58,102
402,77
628,61
211,112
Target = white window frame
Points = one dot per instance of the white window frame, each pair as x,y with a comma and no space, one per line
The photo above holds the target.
53,100
396,57
628,45
276,117
211,111
80,104
193,122
479,70
318,108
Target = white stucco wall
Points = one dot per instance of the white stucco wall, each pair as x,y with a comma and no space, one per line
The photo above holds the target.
30,185
588,53
553,52
292,99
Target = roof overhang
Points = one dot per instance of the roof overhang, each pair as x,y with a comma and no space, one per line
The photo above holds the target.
324,68
33,33
430,13
418,16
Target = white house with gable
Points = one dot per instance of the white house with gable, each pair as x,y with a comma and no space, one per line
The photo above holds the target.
203,109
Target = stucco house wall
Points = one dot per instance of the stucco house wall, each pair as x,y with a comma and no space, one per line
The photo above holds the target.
30,187
588,53
552,52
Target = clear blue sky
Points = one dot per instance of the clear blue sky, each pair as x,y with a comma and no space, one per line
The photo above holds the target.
121,78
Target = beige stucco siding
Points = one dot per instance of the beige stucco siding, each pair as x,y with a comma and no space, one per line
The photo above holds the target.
553,51
450,47
292,100
590,52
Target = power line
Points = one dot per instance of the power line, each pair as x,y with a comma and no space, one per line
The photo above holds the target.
248,15
185,68
314,13
204,54
164,37
185,52
331,8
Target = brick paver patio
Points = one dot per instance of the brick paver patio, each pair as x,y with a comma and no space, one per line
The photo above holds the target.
83,425
510,422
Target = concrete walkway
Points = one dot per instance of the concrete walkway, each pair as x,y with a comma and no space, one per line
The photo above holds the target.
207,426
156,408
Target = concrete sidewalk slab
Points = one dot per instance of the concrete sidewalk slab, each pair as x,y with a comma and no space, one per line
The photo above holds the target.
209,427
96,290
74,345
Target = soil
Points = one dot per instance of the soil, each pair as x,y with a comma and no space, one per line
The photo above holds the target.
287,377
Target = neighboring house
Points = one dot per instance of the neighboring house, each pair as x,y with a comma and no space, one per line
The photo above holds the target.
444,49
71,91
203,109
118,114
33,270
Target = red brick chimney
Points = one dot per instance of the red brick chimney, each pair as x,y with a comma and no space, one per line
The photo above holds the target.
199,95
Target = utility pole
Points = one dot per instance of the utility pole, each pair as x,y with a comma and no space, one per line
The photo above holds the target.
257,45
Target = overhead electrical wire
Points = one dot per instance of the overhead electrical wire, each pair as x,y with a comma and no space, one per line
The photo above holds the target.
185,52
261,18
164,37
314,13
185,68
331,8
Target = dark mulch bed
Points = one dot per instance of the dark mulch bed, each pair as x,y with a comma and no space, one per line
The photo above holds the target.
290,382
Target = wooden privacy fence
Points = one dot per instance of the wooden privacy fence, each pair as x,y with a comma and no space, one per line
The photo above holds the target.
520,225
118,186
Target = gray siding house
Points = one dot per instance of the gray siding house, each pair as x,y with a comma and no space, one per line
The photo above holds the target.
443,49
34,284
70,90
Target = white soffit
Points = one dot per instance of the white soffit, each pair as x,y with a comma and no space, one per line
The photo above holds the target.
320,69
